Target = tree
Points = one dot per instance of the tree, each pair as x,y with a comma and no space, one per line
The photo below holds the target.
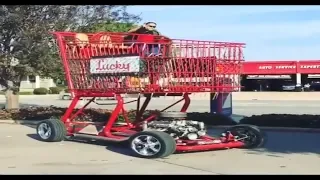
27,48
108,27
119,22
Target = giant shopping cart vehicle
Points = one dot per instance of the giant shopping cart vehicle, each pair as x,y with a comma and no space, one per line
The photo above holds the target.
112,64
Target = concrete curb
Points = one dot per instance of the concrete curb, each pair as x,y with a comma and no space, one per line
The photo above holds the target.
26,122
274,129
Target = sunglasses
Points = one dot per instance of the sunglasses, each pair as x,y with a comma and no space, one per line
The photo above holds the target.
153,26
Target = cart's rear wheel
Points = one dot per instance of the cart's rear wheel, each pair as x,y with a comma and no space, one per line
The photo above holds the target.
152,144
250,135
51,130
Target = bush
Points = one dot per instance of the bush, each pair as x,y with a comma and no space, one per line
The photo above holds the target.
55,90
40,91
40,113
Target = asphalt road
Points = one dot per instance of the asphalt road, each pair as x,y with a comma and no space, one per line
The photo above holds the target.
284,153
247,108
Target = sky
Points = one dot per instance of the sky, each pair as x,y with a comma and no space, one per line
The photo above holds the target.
270,32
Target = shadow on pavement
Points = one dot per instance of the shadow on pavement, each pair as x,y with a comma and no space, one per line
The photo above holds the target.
291,142
285,142
124,150
34,137
121,148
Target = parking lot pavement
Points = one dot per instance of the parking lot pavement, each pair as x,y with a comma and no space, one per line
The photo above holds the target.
21,153
240,107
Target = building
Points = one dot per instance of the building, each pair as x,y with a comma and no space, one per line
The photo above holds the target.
272,75
29,83
256,75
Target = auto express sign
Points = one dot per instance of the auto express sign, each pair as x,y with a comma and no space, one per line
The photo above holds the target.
309,67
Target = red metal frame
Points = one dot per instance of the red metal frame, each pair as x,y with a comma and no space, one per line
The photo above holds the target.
207,63
202,144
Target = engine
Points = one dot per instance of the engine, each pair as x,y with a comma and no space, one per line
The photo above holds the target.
183,129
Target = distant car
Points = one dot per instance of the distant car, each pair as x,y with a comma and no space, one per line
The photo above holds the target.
288,87
65,95
291,87
314,86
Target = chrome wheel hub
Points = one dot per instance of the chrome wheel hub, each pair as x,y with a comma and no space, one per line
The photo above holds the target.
146,145
44,131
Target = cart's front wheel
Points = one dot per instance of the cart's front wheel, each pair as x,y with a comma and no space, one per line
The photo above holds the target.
250,135
51,130
152,144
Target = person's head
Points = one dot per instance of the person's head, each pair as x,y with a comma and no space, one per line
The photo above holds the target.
151,26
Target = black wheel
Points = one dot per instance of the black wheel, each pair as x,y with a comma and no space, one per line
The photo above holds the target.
152,144
250,135
51,130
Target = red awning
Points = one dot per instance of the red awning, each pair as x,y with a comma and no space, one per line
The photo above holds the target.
271,67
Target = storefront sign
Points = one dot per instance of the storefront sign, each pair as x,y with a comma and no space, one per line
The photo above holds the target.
277,67
310,66
281,67
271,68
286,67
314,76
268,77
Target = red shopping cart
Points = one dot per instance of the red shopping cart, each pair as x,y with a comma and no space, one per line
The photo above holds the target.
111,64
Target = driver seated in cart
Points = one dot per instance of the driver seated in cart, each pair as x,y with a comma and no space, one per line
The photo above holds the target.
148,28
